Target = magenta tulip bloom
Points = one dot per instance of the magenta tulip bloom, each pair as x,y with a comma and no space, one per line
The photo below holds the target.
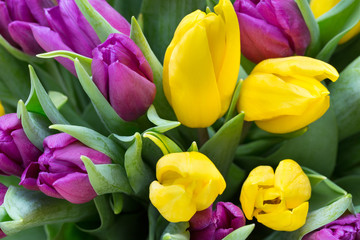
215,225
271,29
344,228
3,190
16,150
123,76
60,173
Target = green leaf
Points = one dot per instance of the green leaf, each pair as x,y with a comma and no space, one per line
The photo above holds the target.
62,231
117,202
36,233
58,99
162,125
102,28
93,140
345,96
240,233
47,105
35,126
126,8
234,100
222,146
176,231
139,174
165,144
111,119
349,154
161,17
160,101
234,180
193,147
85,61
16,52
153,215
107,178
27,209
312,25
351,184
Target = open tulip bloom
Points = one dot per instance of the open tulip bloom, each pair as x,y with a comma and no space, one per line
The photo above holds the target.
191,120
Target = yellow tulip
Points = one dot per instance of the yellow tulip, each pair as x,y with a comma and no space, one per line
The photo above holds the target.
277,200
319,7
187,182
2,110
201,65
285,94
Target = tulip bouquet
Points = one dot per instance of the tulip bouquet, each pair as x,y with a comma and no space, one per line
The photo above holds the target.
189,119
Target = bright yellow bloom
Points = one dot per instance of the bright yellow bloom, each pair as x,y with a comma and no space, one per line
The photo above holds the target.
2,110
285,94
201,65
279,201
319,7
187,182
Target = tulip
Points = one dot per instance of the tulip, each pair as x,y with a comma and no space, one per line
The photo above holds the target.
36,26
319,7
123,76
60,173
201,65
187,182
277,200
285,94
271,29
344,228
3,190
215,225
16,150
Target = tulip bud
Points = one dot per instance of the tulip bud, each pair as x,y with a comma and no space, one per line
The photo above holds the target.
319,7
216,225
60,173
277,200
123,76
346,227
16,150
271,29
187,182
285,94
3,190
201,65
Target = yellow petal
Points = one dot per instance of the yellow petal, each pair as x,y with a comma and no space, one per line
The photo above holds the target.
288,220
173,202
194,92
269,200
231,63
299,66
2,110
293,182
319,7
259,176
354,31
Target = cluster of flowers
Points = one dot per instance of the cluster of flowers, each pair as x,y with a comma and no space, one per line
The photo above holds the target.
282,94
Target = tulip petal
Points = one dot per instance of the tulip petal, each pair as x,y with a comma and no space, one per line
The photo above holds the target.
288,220
201,219
299,66
29,176
29,153
173,202
259,176
292,181
19,10
231,57
5,20
45,181
99,71
58,140
22,34
193,81
129,93
9,167
36,8
75,188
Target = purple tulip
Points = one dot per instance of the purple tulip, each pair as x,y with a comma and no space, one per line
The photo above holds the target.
344,228
3,190
215,225
16,150
123,76
37,26
271,29
60,173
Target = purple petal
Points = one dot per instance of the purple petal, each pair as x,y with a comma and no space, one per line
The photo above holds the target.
75,188
9,122
324,234
22,34
3,190
45,183
36,8
9,167
99,71
4,22
112,16
221,233
229,215
19,10
29,153
59,140
29,177
207,233
130,94
201,219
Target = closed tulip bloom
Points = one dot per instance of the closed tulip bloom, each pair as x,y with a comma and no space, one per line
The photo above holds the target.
217,224
271,29
187,182
16,150
278,200
285,94
123,76
201,65
344,228
60,173
319,7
